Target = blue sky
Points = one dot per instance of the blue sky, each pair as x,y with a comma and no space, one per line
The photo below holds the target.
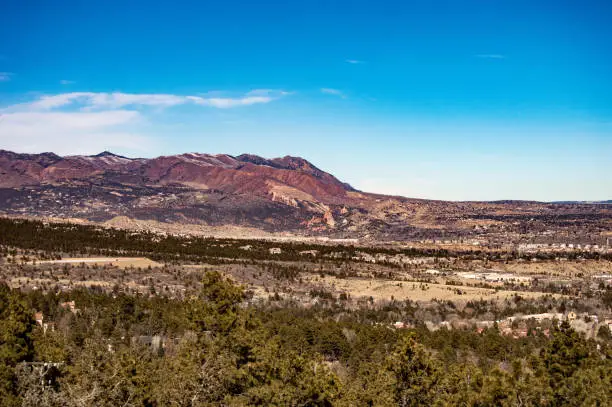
460,100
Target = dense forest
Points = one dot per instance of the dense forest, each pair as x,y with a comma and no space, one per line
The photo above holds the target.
115,349
95,240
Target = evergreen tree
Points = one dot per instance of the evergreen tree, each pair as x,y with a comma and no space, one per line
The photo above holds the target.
16,325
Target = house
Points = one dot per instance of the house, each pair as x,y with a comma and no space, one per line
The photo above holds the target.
39,317
275,250
40,321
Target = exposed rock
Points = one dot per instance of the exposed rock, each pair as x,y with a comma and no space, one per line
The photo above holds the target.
328,216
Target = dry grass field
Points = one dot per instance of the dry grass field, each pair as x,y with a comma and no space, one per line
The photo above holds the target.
39,282
402,290
569,269
121,262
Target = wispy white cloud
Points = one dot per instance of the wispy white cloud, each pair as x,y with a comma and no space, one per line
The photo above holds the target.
89,122
73,132
225,103
334,92
354,61
117,100
5,76
67,82
53,102
491,56
269,92
71,120
253,97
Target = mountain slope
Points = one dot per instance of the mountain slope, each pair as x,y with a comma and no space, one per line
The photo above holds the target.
245,174
287,194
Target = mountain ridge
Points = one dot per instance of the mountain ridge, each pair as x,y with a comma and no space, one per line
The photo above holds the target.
193,169
284,194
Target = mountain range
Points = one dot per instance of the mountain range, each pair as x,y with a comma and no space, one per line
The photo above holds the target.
287,194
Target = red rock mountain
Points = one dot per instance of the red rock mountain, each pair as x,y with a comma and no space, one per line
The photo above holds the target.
279,195
286,179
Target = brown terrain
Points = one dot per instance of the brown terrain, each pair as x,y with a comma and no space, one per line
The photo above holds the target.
255,196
